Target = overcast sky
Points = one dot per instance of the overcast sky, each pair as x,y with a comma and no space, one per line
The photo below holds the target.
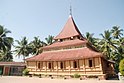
41,18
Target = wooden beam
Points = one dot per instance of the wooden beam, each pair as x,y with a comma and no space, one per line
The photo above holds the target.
70,67
46,66
36,65
57,67
84,67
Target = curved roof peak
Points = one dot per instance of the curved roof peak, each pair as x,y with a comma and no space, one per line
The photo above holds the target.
69,30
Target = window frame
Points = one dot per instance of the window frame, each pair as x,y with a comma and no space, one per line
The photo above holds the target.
49,65
90,61
61,65
75,64
39,65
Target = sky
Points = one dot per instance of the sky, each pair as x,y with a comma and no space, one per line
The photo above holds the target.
41,18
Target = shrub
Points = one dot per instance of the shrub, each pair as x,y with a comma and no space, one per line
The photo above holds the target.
72,76
76,75
25,72
92,76
121,67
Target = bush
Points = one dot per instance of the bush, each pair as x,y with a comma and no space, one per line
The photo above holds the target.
121,67
92,76
72,76
25,72
76,75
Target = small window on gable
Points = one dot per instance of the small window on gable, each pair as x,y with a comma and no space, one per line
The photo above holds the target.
61,40
90,63
75,64
78,37
49,65
71,38
39,65
61,65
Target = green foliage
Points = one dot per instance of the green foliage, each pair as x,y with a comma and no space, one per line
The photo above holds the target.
5,45
23,48
92,76
25,72
6,57
76,75
36,44
111,44
121,67
49,40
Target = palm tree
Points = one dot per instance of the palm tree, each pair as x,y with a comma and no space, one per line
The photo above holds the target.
116,32
36,44
49,40
6,57
5,42
23,48
92,40
89,37
105,44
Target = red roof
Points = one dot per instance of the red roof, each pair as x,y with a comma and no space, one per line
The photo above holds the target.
71,54
66,43
70,29
13,63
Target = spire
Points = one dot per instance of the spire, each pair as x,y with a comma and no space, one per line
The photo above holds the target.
70,29
70,9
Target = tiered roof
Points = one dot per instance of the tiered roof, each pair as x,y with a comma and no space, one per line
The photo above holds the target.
69,30
70,36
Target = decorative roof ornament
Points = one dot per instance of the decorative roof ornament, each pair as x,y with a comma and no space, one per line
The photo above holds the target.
70,29
70,8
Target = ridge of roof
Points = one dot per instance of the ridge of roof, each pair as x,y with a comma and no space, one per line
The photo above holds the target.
69,30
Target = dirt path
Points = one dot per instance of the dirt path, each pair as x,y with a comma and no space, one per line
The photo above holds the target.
16,79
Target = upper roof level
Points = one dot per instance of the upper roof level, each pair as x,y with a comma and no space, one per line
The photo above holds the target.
69,38
70,30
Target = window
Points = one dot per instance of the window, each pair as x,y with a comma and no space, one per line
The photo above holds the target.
75,64
14,69
61,65
61,40
39,66
49,65
90,63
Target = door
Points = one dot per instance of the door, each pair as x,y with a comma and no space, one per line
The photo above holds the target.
6,70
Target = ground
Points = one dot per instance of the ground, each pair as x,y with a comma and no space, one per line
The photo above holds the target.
19,79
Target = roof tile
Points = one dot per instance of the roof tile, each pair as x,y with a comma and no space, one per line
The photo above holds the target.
70,29
71,54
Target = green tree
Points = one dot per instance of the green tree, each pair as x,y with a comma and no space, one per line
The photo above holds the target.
23,48
121,67
49,40
36,44
105,44
112,45
116,32
5,44
89,37
6,57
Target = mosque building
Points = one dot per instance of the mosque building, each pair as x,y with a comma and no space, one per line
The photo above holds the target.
70,54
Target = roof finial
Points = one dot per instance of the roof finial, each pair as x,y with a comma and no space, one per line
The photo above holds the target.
70,9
